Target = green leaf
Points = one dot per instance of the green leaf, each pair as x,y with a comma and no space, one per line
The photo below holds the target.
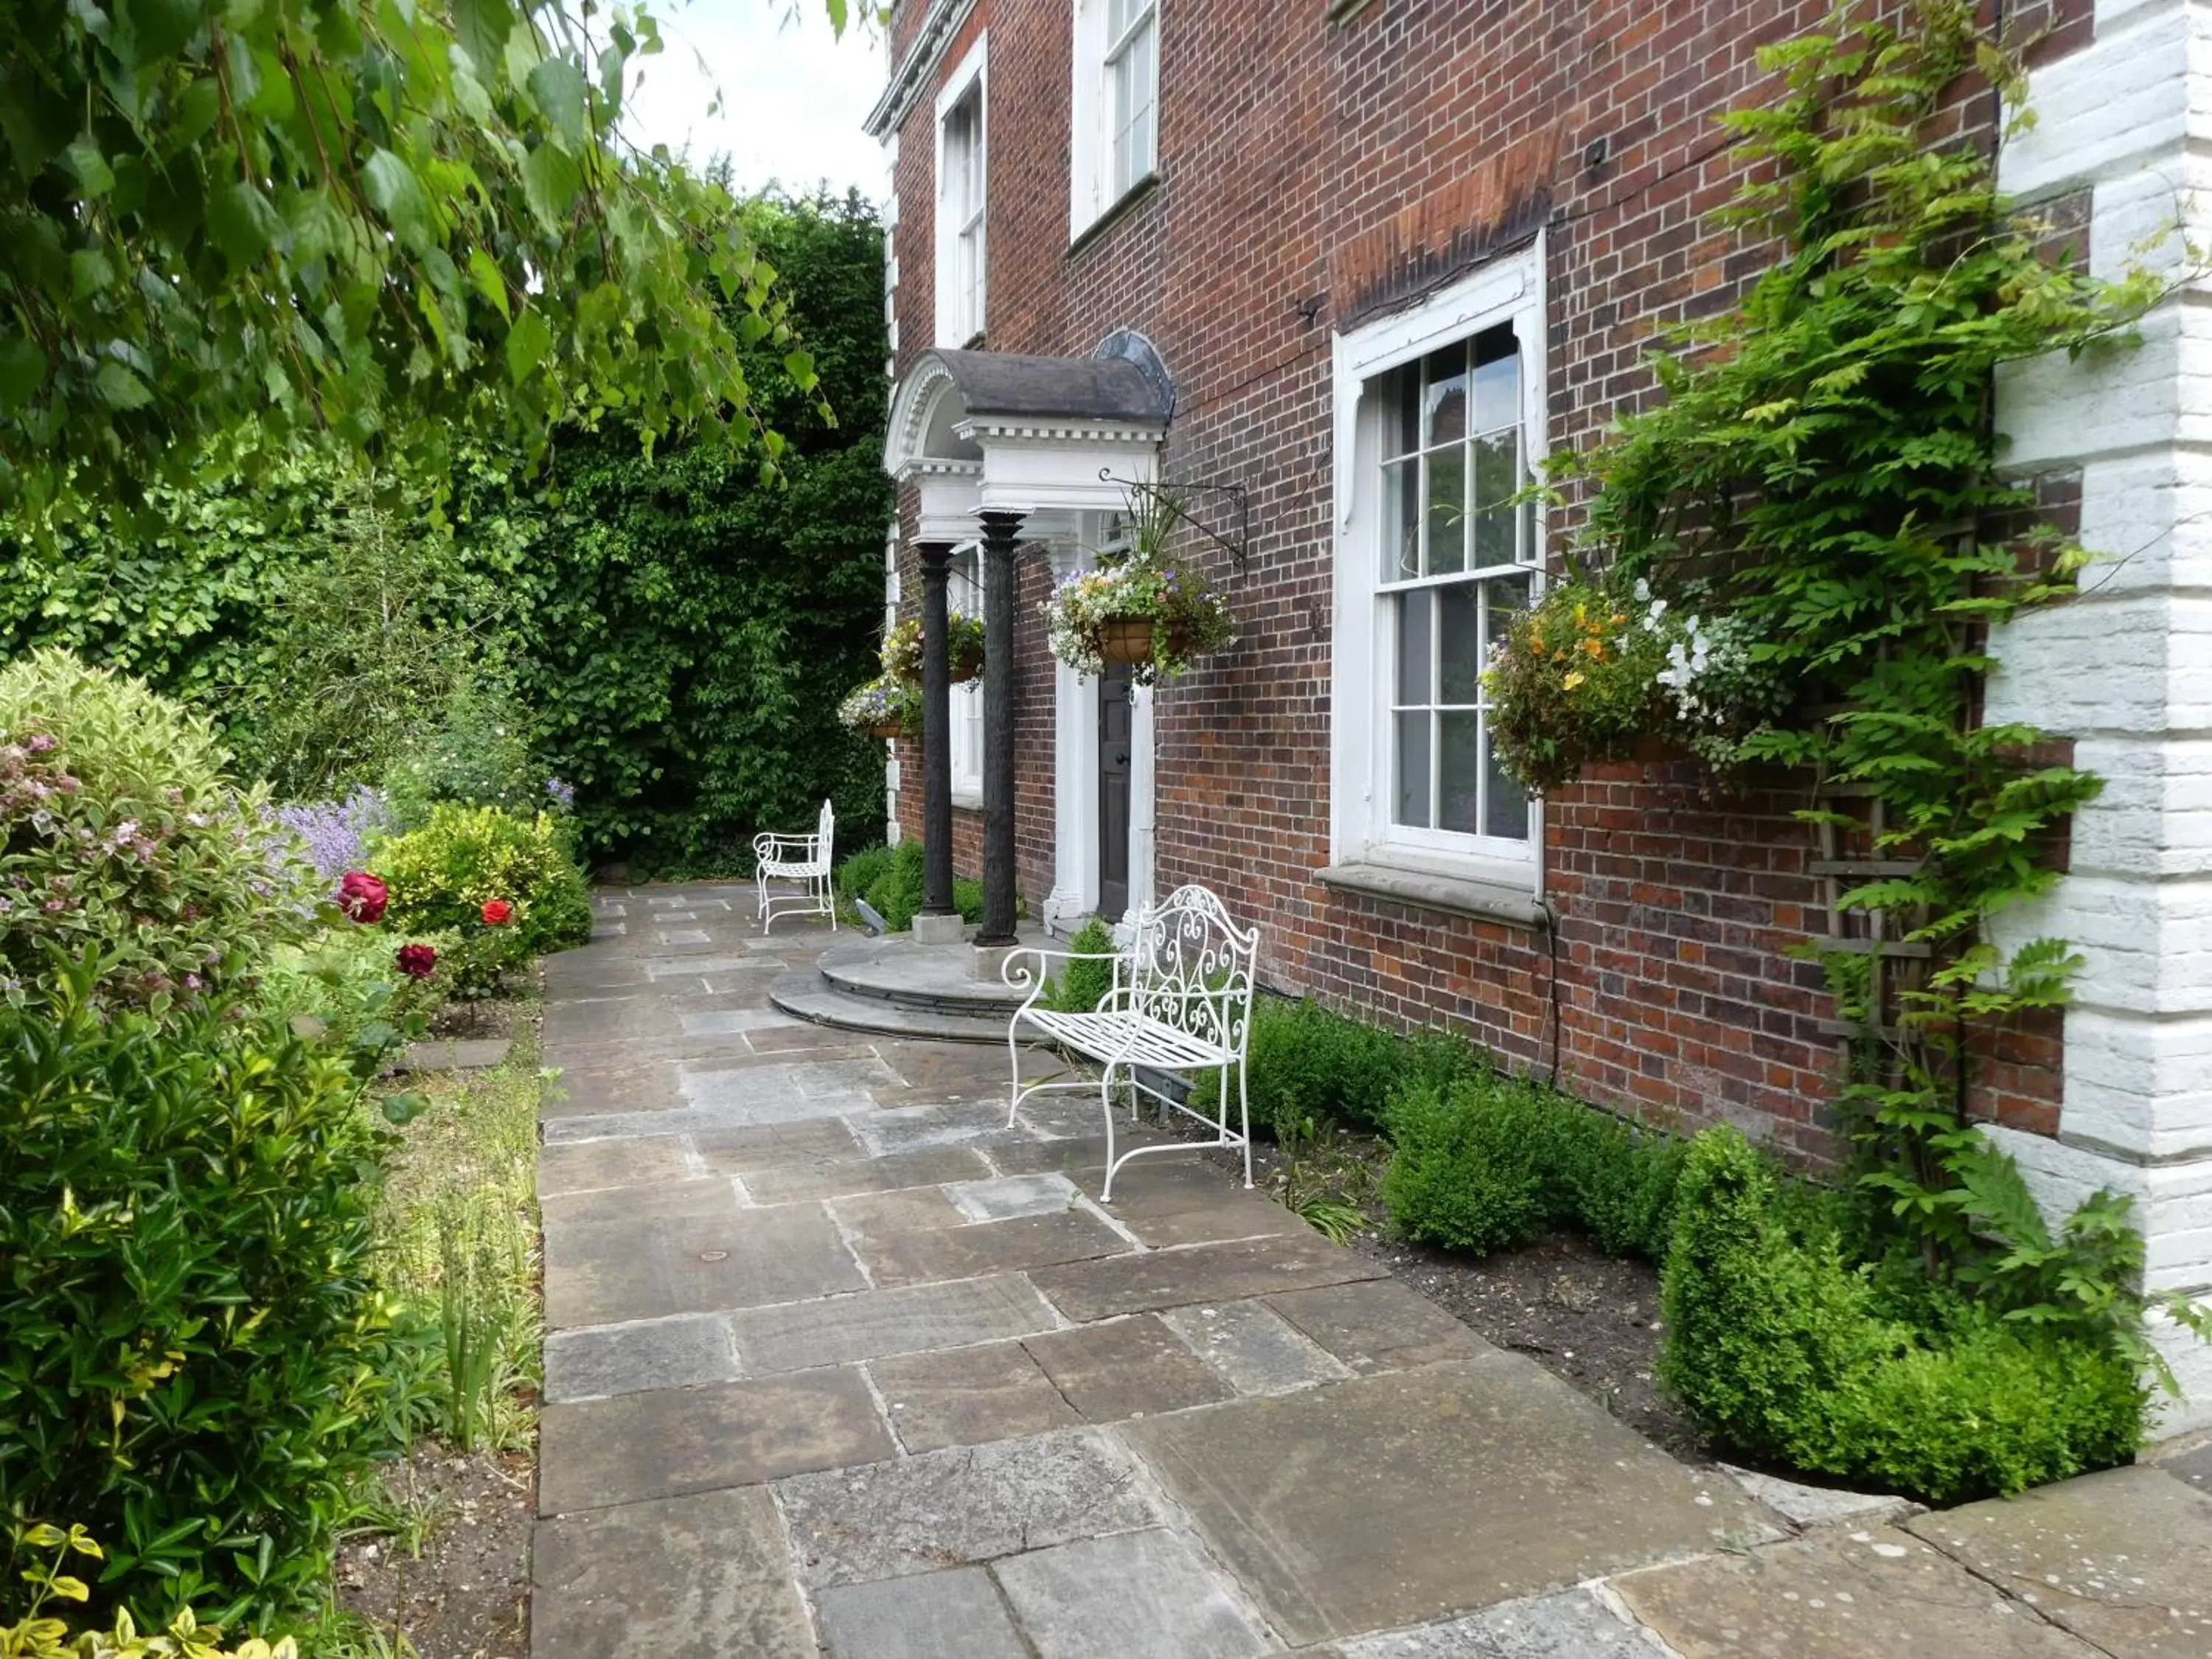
404,1109
22,371
395,192
119,388
484,274
93,176
243,224
556,86
481,27
551,180
527,343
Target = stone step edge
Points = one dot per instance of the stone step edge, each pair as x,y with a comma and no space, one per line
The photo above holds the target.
848,977
805,995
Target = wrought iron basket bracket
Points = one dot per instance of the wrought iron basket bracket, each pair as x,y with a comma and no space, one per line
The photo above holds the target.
1166,493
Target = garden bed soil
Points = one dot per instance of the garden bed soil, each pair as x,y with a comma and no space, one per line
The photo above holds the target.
1589,1320
467,1595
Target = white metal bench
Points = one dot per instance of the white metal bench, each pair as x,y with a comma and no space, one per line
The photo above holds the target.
1181,1001
802,858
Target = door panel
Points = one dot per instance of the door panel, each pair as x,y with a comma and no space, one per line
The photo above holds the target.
1114,736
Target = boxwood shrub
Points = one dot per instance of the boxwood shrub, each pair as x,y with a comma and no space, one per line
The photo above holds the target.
1790,1352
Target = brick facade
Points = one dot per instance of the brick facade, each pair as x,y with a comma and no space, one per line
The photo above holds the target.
1313,175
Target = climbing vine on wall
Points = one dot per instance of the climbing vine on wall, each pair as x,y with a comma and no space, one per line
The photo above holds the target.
1824,470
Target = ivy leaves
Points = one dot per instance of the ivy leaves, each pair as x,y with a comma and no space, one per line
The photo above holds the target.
394,226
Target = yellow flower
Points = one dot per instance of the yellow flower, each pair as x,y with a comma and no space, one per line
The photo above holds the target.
1594,648
1572,680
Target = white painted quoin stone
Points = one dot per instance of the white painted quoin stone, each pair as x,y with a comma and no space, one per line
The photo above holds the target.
2125,670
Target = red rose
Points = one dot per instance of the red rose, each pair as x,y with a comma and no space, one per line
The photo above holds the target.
418,960
362,896
497,913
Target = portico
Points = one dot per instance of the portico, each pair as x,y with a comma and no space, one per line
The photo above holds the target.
1004,451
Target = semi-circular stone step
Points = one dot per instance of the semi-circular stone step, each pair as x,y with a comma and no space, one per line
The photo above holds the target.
929,978
805,995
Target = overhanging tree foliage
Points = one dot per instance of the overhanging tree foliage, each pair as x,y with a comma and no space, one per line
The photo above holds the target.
384,223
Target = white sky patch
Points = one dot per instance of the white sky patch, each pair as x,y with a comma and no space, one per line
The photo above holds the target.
792,94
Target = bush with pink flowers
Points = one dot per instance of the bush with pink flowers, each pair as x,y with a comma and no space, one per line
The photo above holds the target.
122,836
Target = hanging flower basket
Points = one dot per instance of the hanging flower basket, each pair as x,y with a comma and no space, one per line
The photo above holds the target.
964,649
1139,611
884,708
1126,639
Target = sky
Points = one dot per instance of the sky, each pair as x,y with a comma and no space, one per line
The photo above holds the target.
792,95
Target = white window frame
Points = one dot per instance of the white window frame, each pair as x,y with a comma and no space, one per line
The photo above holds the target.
963,597
1363,745
1095,184
960,222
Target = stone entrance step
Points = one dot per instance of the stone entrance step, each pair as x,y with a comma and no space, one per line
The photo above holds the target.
805,995
935,979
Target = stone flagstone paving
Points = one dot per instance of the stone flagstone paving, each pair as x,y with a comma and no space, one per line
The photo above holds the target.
838,1363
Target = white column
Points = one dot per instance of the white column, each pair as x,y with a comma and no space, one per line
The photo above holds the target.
1142,775
1075,775
2126,668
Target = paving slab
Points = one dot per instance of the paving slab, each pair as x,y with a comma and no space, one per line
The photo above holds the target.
931,1615
966,1396
872,1220
1253,1348
967,1505
598,1453
702,1197
608,1090
1807,1507
1086,1291
801,1335
866,1174
1176,1201
741,1097
693,1578
919,1128
726,1021
2122,1559
1015,1246
1572,1625
1520,1485
603,1272
1134,1595
1839,1595
619,1161
455,1054
1002,1197
740,1151
1379,1325
1129,1368
1072,1155
659,1353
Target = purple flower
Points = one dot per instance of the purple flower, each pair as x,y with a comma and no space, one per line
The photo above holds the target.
335,830
563,794
42,743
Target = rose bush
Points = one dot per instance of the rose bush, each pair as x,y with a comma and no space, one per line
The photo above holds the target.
417,960
497,913
363,897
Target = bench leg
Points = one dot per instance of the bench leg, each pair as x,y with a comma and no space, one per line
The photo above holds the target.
1106,1102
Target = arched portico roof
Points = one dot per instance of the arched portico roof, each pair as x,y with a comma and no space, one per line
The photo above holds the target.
1036,434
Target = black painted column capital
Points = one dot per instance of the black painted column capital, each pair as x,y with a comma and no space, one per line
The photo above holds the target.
936,733
1001,533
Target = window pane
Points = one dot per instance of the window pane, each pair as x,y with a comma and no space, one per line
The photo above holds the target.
1497,381
1402,411
1506,812
1458,642
1401,521
1415,623
1502,596
1411,807
1445,396
1459,773
1496,477
1447,481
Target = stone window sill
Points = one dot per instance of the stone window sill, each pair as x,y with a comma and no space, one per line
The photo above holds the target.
1489,901
967,802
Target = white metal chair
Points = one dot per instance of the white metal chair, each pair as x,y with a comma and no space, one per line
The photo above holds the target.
1181,1001
802,858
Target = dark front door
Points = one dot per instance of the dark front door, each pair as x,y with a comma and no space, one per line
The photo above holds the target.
1114,791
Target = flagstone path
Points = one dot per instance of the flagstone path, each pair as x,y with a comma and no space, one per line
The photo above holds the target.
840,1364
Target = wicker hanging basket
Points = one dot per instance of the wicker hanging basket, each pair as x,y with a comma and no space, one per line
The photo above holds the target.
966,665
1126,639
888,729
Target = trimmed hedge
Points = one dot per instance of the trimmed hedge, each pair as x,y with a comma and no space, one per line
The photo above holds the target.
889,879
1308,1062
1486,1162
1786,1350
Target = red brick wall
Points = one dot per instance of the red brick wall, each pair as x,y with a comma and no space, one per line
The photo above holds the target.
1313,175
